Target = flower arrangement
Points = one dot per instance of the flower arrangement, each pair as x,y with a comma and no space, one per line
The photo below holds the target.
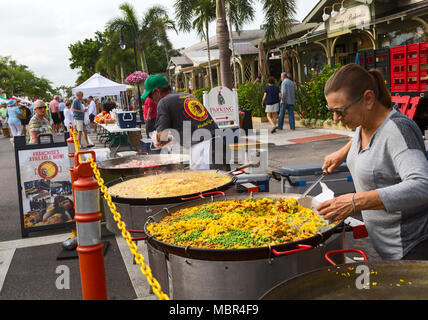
137,77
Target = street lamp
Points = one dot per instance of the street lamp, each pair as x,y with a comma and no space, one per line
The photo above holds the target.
123,45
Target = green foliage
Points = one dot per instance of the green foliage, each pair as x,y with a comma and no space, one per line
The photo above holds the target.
199,94
84,56
310,100
156,59
250,97
17,80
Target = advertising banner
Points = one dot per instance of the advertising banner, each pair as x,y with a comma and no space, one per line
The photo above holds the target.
44,186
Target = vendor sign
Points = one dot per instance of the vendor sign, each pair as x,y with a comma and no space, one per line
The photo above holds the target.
44,187
222,104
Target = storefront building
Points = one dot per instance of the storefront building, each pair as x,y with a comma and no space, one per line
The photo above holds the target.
190,71
336,32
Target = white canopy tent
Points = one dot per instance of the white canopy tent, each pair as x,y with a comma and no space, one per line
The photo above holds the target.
99,86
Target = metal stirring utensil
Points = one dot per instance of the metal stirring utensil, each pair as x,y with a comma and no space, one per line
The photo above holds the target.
324,173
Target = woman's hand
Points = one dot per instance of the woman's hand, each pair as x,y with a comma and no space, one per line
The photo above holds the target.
337,209
335,159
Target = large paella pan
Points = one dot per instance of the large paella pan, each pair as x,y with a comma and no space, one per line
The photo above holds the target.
295,227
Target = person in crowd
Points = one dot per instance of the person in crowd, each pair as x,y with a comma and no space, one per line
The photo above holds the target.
79,118
61,114
288,91
92,111
271,97
38,123
12,118
100,106
68,115
25,117
109,105
150,114
3,116
133,102
56,116
388,163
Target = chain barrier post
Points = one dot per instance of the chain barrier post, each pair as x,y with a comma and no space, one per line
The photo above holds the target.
139,259
88,221
71,151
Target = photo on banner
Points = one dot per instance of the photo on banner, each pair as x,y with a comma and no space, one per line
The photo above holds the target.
46,196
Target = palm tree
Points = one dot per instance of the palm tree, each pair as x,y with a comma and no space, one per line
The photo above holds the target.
278,16
129,17
156,24
203,13
197,14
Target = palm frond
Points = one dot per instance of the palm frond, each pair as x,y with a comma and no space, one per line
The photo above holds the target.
241,12
279,16
184,13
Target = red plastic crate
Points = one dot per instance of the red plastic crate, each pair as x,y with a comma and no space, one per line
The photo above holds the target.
412,107
402,101
406,73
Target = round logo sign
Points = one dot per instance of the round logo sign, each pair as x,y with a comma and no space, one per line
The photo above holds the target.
195,109
47,170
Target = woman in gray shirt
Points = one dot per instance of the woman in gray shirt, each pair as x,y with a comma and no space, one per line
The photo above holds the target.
387,160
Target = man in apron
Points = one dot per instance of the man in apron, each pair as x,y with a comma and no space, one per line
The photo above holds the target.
186,115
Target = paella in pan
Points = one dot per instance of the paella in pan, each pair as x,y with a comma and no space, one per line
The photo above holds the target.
238,224
170,184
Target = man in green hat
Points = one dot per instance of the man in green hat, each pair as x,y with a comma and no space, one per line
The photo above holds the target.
184,113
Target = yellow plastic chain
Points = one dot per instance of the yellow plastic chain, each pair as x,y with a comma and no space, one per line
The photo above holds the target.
122,227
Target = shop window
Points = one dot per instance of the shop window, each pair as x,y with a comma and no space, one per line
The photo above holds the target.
408,35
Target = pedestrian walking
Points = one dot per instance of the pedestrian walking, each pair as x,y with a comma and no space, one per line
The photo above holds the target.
61,114
288,91
68,115
25,117
56,116
271,97
12,118
79,118
3,116
92,111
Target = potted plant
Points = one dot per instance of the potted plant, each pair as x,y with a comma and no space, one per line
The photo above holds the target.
241,118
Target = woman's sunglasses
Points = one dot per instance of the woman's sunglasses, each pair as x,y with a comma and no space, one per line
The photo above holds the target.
342,111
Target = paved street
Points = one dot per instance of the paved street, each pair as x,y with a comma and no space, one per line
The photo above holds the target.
28,267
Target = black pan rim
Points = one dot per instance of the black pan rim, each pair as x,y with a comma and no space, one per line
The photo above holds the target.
370,264
168,200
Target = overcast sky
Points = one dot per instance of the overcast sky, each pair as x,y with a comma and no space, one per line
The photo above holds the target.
37,33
